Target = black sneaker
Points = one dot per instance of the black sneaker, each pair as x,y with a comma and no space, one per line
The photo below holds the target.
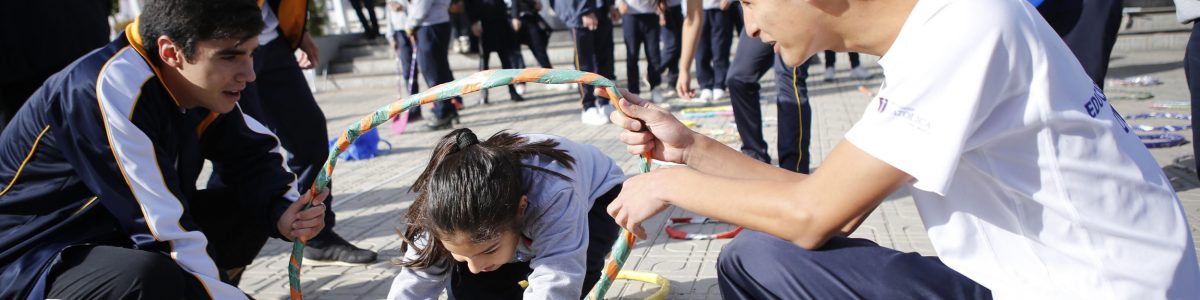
333,248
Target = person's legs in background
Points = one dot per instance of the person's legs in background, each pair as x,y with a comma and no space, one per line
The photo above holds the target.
408,86
1089,27
1191,71
433,42
370,24
671,36
705,53
585,60
830,60
795,116
537,42
751,61
606,63
633,47
723,34
648,28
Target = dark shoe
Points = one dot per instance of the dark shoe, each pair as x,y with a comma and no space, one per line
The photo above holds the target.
436,123
516,97
333,248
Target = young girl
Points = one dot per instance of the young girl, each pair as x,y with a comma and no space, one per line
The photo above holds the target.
515,207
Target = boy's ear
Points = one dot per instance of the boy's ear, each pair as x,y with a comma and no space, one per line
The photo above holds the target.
169,52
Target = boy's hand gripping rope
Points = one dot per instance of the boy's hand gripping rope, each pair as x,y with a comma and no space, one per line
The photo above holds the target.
470,84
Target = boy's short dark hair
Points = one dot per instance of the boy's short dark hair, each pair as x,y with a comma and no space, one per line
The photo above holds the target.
189,21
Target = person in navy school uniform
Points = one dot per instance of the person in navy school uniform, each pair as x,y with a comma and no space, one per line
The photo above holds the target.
591,25
752,60
491,23
712,55
428,25
100,167
640,21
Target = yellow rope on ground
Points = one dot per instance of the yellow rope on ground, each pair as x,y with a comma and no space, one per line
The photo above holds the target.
647,277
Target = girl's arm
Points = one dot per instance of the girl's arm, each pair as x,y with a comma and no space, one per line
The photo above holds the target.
559,234
425,283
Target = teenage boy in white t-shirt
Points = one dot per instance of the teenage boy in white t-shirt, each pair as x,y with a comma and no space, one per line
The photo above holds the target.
1029,183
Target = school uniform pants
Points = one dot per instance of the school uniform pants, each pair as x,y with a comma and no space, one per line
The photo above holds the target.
594,53
831,58
499,37
712,53
502,283
1089,27
1191,71
794,113
532,33
231,222
671,36
756,265
404,49
433,42
641,30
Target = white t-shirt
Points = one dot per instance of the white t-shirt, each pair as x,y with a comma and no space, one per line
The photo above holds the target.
1027,180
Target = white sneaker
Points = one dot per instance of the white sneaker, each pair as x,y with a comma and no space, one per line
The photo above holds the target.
591,116
860,73
520,89
717,94
828,74
705,95
563,86
656,95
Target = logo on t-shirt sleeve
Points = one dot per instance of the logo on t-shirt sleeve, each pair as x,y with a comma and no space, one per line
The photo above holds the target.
1096,104
906,113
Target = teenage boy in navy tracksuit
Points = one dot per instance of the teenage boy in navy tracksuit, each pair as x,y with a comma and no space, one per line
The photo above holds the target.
591,26
99,169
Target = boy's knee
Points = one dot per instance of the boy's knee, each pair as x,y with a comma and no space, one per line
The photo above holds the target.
152,276
753,249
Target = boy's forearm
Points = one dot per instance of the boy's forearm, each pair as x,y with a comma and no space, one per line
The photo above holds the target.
712,157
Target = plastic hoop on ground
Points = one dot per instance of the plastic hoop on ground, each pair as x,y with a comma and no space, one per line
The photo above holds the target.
683,235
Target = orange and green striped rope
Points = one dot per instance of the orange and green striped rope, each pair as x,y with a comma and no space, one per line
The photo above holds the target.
449,90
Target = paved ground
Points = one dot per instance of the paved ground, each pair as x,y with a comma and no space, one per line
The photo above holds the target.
372,195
